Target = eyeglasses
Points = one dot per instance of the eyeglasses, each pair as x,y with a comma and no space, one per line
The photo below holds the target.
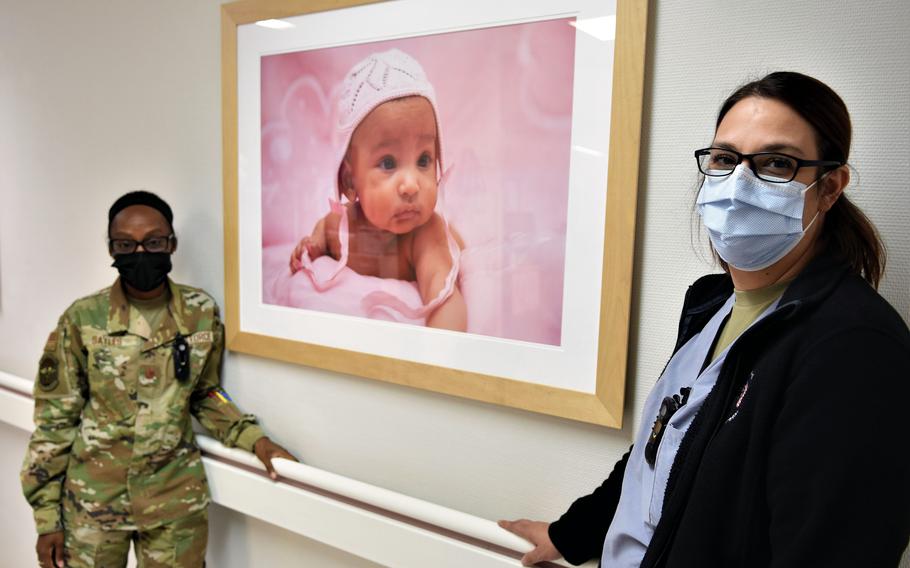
151,244
769,166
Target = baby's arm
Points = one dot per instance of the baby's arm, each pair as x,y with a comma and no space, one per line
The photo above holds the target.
432,264
314,244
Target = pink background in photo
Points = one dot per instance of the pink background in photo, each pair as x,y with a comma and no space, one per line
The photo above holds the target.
505,103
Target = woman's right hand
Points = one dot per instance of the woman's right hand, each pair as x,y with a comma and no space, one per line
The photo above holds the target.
50,550
537,533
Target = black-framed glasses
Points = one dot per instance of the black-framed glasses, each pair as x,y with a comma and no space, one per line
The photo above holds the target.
769,166
151,244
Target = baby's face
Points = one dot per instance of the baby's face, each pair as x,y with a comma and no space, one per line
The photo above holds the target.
392,164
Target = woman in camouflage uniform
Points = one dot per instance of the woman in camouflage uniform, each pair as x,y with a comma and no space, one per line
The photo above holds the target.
113,459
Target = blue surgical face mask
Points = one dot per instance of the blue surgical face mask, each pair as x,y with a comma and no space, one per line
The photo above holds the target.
752,223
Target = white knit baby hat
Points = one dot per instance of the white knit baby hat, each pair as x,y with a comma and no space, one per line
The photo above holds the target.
379,78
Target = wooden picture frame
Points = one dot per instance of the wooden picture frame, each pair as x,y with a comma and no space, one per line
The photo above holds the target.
601,400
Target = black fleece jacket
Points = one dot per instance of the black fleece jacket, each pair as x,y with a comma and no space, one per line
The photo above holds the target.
811,467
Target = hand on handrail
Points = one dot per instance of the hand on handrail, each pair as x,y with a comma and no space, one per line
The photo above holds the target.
537,533
266,450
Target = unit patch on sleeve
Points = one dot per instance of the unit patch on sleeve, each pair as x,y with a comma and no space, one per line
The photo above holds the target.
48,376
220,396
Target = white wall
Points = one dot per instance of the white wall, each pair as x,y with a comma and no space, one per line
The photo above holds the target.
17,540
102,96
236,540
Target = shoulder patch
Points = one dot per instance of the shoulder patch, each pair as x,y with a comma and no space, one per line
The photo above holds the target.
48,373
219,395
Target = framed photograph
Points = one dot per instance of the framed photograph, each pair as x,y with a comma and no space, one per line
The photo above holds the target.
436,194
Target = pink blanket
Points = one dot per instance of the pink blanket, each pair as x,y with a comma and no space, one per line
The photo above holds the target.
512,288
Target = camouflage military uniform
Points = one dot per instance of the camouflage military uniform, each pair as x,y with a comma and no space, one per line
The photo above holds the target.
113,447
179,544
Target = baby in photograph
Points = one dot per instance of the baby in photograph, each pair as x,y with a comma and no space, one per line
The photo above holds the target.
389,167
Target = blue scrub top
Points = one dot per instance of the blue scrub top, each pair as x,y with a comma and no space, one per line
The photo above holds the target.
643,486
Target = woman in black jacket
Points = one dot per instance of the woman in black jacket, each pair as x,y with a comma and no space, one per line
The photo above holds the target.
779,425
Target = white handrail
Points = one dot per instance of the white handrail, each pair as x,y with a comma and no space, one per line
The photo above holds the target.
15,383
442,517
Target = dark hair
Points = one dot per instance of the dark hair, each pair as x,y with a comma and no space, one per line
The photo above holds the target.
847,231
146,198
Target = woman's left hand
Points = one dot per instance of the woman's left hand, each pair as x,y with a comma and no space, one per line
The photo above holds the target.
266,450
537,533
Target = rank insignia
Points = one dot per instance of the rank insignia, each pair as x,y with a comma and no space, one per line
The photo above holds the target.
47,373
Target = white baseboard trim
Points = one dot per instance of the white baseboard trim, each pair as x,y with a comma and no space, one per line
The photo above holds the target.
376,524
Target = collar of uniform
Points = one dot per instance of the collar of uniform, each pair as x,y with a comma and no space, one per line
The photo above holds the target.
703,298
177,308
817,280
118,320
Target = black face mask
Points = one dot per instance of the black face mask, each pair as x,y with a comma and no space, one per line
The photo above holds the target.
144,271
